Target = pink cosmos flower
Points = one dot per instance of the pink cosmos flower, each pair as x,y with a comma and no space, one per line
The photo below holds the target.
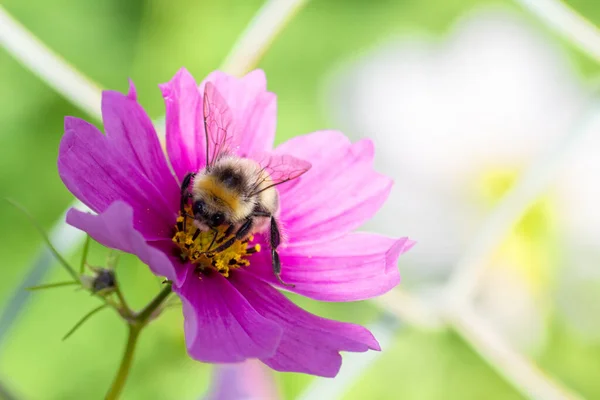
233,311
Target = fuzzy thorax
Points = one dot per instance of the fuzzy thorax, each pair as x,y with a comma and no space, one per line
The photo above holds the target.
195,246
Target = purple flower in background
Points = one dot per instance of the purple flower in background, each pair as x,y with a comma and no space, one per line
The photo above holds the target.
249,380
231,307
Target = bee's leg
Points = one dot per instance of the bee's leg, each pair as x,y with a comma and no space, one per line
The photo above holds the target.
228,232
185,195
274,242
184,200
184,214
215,232
186,182
239,235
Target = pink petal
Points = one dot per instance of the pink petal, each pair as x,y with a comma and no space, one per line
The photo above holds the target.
339,193
98,174
186,143
309,343
220,324
114,228
170,250
130,130
254,109
356,266
254,112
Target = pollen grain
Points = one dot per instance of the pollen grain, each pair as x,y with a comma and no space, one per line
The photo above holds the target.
195,246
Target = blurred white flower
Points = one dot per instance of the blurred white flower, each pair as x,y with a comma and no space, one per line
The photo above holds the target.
455,123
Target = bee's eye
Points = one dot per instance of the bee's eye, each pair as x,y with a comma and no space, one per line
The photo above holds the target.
217,219
198,207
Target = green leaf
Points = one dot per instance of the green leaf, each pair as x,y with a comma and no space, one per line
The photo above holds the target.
83,319
53,285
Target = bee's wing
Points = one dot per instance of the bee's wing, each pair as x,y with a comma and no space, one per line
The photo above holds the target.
218,124
280,168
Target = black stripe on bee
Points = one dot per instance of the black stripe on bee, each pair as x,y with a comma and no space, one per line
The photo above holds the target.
230,178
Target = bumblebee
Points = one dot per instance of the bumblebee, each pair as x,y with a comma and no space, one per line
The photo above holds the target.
235,192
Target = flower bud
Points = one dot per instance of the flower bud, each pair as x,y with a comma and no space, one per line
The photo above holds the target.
103,280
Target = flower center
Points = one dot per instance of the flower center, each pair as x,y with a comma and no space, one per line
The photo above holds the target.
198,247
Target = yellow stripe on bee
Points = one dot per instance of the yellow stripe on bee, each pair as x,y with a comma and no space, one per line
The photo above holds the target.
217,189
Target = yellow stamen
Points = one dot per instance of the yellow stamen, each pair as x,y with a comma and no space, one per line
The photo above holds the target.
196,247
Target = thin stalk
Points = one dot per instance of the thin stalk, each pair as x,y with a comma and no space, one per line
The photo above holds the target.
82,320
49,66
113,259
409,309
517,370
123,372
53,285
42,232
84,256
260,33
135,324
144,316
124,305
567,23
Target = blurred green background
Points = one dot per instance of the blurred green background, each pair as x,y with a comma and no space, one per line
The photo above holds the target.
111,40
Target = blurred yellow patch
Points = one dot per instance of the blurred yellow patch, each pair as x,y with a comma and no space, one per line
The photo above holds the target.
530,246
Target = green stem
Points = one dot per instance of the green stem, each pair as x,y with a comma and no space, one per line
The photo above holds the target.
124,305
144,315
119,382
136,324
